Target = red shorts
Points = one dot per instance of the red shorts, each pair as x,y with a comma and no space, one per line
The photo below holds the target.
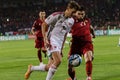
80,47
39,43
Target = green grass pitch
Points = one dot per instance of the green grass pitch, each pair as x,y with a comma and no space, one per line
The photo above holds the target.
15,56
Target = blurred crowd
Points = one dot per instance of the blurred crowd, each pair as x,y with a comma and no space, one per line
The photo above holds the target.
18,18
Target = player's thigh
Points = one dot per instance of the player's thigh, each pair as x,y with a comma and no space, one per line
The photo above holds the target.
56,58
88,51
75,49
38,44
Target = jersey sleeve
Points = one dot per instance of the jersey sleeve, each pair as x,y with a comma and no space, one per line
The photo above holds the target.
70,22
51,19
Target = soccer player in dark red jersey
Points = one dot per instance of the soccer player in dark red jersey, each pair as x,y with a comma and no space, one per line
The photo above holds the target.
39,42
82,43
36,30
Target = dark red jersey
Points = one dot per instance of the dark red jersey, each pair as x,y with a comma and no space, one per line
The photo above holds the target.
37,25
81,29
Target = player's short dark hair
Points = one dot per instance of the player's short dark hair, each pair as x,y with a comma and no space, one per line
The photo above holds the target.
42,10
82,8
73,4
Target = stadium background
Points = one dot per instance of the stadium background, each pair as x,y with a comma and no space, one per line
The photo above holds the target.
17,17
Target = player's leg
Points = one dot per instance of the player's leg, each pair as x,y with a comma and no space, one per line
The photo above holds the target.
28,72
88,60
38,45
56,62
32,68
71,73
39,55
71,70
74,48
88,56
41,67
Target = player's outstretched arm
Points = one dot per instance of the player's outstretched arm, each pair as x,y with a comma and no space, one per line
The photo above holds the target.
33,30
44,33
92,31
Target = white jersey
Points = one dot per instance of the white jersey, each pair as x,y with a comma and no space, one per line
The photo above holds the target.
61,26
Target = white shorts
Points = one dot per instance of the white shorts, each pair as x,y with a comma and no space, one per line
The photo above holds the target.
56,44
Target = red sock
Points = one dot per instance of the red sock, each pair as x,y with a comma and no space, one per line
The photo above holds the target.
89,68
39,55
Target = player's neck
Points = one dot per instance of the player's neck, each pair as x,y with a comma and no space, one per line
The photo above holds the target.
42,19
65,15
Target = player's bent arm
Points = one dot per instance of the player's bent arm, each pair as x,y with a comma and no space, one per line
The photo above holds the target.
92,31
44,30
33,27
33,30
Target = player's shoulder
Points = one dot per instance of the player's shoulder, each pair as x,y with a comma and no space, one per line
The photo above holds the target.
87,20
36,20
76,20
71,20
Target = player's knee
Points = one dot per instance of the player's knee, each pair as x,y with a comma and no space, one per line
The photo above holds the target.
88,56
58,61
47,67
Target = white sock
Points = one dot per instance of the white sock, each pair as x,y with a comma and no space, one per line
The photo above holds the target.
51,72
38,68
41,63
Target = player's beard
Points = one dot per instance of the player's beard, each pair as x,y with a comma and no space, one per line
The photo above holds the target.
81,19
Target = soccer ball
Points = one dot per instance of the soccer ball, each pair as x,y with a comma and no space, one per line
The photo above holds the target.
75,60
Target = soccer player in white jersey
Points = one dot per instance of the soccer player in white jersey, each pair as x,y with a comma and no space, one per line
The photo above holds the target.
62,23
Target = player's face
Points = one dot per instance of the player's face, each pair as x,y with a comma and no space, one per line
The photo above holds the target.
69,12
80,14
42,14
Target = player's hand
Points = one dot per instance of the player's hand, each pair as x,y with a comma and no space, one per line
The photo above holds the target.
46,42
34,33
93,36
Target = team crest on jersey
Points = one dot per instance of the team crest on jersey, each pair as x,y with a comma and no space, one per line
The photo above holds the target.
86,20
39,23
55,47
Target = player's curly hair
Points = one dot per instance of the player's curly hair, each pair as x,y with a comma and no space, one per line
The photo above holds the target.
73,4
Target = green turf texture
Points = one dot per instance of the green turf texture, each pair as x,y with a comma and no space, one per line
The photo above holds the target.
15,56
